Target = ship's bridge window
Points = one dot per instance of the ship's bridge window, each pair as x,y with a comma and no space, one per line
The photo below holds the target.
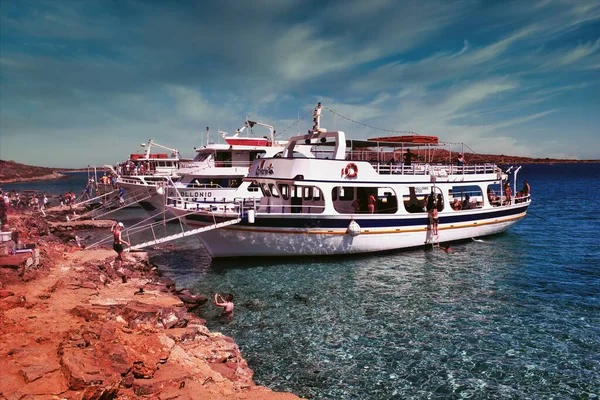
257,154
469,196
265,190
253,187
304,199
223,159
311,193
273,189
285,191
201,156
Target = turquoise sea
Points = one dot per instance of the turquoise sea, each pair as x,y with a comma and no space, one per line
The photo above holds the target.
514,316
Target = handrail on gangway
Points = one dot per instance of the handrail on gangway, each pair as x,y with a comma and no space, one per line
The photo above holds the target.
95,198
184,234
143,225
94,214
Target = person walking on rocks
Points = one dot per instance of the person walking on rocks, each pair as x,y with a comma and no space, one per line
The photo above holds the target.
118,243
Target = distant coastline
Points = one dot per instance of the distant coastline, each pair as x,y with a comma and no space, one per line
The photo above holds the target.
13,172
49,177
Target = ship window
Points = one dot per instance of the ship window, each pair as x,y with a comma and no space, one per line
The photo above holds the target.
224,157
316,194
415,201
253,187
470,196
308,193
307,199
285,191
273,189
265,190
201,156
350,200
257,154
493,194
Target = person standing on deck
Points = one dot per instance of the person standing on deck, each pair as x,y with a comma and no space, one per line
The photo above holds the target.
507,192
371,203
408,157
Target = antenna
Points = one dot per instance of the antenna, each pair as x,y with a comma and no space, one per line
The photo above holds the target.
207,135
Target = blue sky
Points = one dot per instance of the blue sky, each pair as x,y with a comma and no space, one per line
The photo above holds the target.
84,82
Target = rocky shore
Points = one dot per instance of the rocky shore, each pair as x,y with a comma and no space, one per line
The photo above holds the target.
74,327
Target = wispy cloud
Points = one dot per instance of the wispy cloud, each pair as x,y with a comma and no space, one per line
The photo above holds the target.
499,75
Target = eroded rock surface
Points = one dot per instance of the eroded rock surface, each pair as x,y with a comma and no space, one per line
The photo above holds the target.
75,329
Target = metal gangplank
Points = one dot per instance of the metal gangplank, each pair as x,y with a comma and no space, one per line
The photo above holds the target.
184,234
149,225
108,204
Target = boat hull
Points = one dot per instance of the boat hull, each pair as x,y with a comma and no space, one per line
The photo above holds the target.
275,237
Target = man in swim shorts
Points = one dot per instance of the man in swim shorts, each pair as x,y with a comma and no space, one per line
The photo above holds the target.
118,243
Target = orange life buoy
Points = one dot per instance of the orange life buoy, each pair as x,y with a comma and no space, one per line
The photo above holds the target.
351,170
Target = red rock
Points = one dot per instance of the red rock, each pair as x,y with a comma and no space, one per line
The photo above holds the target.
100,393
85,313
80,368
5,293
171,376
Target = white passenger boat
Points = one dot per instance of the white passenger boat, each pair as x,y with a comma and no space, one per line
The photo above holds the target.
351,199
141,175
214,175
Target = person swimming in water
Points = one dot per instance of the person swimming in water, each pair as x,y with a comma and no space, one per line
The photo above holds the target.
226,303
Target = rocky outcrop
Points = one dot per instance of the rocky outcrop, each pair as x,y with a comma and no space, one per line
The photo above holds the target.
76,329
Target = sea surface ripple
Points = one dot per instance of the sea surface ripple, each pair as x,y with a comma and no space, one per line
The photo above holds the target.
514,316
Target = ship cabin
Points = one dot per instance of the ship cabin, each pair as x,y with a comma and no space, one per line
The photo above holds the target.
381,176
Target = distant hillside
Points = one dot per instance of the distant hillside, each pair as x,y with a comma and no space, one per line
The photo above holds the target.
473,158
11,171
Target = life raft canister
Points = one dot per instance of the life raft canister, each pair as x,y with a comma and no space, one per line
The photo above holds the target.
351,170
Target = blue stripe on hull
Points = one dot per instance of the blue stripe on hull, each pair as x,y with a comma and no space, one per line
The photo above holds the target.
313,221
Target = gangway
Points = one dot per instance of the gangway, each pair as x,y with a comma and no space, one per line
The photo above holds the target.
143,225
184,234
93,199
107,206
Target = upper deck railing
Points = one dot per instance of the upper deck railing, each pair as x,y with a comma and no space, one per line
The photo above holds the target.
217,164
437,169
